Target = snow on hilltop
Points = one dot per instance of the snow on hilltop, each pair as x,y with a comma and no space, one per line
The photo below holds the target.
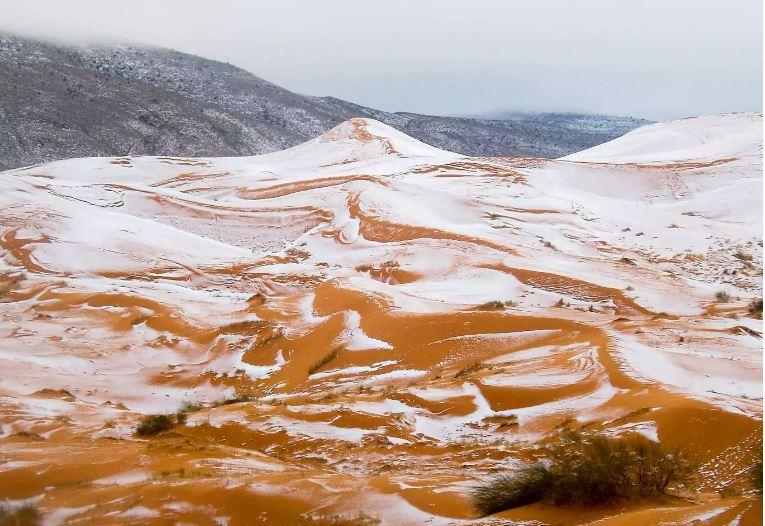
709,137
383,139
358,140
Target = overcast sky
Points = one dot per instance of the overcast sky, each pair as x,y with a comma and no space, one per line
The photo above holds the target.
657,59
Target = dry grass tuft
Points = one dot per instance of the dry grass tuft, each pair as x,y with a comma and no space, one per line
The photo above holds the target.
592,471
321,363
722,296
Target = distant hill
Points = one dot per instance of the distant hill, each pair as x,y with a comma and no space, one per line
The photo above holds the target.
68,101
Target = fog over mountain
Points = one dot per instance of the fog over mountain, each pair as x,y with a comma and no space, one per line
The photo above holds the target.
73,101
651,59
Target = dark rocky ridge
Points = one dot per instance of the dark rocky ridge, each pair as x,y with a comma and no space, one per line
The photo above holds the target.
66,101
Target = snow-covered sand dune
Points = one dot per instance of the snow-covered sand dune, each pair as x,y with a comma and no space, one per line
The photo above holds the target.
709,138
384,307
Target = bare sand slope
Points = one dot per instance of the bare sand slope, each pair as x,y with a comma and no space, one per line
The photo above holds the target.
387,323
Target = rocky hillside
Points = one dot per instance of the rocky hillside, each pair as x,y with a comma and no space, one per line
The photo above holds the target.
61,101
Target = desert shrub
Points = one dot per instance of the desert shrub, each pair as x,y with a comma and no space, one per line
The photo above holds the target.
497,305
743,256
602,470
722,296
727,492
492,305
468,369
755,307
755,473
237,399
324,519
190,407
154,424
591,471
504,492
548,244
321,363
245,326
26,515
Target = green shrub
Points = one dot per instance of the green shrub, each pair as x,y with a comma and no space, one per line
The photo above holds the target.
602,470
591,471
154,424
26,515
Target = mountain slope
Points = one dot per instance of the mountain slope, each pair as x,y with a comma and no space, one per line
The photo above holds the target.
365,323
61,102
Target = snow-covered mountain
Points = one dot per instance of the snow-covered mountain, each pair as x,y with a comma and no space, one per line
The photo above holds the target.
62,101
388,322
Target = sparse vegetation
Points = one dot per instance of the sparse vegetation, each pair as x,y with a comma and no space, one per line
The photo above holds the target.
180,473
237,399
245,326
756,475
548,244
497,305
152,425
722,296
321,363
360,519
502,421
186,408
25,515
562,303
727,491
473,367
505,492
269,338
190,407
492,305
742,256
755,308
588,471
